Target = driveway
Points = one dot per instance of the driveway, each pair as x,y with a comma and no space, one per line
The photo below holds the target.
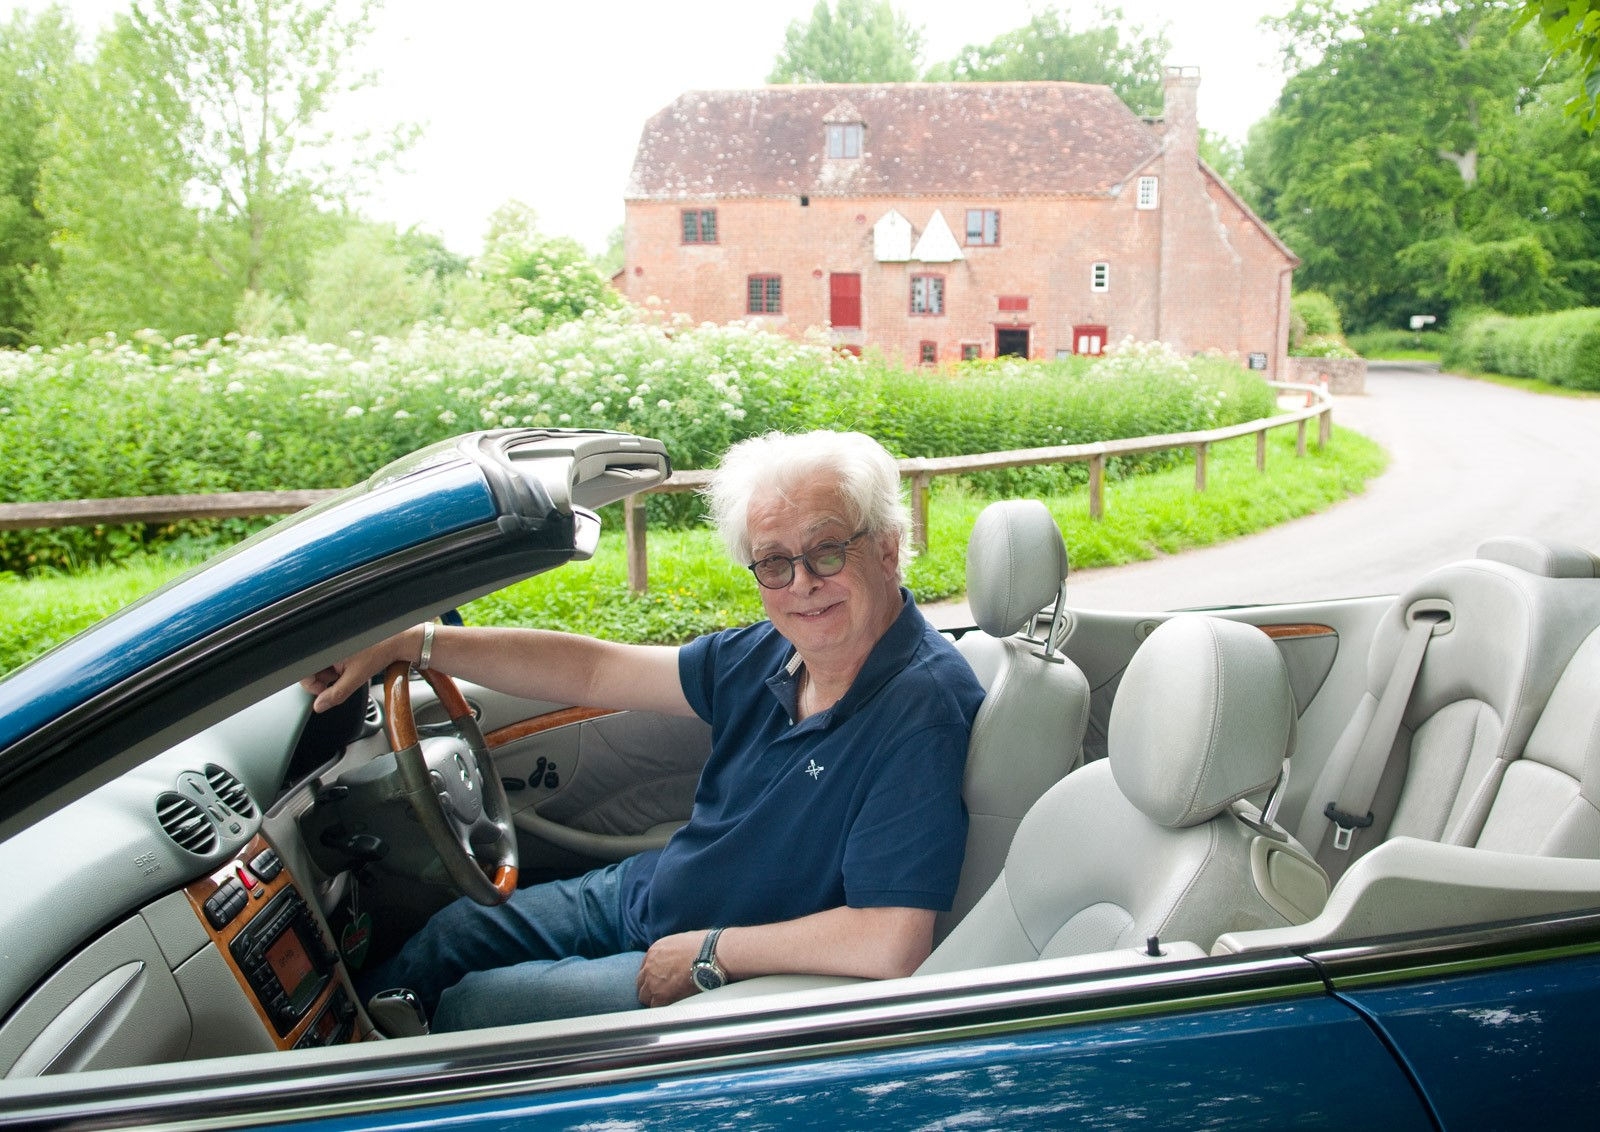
1467,460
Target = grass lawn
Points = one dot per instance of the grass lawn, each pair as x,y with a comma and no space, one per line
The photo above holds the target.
1526,384
694,588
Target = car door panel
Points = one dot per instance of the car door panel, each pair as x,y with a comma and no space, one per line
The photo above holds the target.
1497,1047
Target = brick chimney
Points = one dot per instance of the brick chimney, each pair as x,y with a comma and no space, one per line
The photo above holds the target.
1180,110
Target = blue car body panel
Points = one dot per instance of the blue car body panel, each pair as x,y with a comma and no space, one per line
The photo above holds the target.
341,535
1259,1066
1501,1047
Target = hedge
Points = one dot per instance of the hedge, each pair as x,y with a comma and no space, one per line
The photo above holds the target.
1561,348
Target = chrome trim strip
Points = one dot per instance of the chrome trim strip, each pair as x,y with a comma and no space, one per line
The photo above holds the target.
1484,947
530,1060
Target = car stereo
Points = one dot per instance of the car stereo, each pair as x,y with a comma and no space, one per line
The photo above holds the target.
285,959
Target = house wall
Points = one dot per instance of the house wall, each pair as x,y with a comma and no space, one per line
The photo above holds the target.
1194,271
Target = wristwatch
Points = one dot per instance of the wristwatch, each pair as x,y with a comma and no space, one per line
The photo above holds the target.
705,972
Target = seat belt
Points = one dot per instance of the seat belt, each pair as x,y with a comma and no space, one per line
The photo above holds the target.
1353,808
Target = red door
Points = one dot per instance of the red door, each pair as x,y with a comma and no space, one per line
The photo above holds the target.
844,300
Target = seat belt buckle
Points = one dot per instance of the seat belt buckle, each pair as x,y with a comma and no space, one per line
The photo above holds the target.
1344,825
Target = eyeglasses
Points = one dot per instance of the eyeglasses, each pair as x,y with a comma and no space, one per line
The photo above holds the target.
823,560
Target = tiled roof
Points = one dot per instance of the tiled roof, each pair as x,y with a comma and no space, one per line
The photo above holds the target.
920,138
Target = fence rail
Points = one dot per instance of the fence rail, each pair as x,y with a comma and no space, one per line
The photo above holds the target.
919,470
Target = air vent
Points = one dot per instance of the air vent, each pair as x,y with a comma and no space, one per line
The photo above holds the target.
230,791
186,823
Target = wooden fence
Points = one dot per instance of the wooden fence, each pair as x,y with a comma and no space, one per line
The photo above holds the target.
919,470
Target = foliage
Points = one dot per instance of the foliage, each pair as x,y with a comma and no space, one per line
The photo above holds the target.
525,280
854,41
1572,30
36,54
694,588
1562,348
1398,344
189,165
1127,59
1416,166
1313,314
366,283
147,416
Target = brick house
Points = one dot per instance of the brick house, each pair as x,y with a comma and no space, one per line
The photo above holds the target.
939,221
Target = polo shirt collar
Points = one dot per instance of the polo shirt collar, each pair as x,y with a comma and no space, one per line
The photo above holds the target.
893,652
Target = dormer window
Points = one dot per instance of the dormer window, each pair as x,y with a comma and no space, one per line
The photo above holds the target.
844,139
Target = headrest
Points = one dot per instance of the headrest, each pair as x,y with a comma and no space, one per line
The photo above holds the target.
1536,556
1204,716
1016,562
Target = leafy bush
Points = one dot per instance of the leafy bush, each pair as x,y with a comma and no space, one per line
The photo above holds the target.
1561,348
1322,346
1313,315
152,417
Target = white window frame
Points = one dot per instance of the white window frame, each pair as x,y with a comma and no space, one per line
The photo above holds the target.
846,140
1100,276
1148,194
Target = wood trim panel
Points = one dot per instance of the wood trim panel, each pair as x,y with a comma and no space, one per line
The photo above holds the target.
261,895
549,721
1287,632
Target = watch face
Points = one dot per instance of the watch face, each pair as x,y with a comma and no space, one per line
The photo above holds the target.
707,977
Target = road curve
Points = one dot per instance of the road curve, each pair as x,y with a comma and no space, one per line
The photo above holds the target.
1467,460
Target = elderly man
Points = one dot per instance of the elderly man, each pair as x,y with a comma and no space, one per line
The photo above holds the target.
828,825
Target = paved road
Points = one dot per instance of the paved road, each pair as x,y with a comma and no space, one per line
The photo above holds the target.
1467,459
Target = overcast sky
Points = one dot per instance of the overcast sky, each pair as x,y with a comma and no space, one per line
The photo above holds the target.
544,101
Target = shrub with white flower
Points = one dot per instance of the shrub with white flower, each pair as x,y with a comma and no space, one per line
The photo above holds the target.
145,416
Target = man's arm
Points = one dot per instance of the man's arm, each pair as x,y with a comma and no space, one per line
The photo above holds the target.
869,943
530,663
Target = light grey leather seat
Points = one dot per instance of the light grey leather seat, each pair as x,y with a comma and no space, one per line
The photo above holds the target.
1517,613
1156,840
1029,731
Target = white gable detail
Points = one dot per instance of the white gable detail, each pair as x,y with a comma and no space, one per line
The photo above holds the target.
891,238
938,243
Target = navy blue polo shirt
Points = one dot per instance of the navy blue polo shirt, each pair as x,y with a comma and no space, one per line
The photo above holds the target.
857,805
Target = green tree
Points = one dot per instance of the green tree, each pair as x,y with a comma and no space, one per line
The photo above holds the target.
1127,59
525,279
1571,28
199,162
36,55
854,41
366,283
1375,164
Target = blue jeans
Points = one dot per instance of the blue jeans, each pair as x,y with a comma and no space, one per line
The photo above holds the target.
555,950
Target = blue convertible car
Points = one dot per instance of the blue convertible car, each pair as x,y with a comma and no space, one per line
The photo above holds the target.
1334,863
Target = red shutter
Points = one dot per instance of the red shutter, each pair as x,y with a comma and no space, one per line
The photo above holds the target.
844,300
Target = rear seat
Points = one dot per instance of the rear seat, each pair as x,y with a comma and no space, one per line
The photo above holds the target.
1481,826
1517,614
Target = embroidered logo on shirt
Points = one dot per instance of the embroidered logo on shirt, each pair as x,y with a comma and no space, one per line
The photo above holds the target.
814,770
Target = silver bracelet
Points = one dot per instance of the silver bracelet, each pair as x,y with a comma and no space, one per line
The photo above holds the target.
426,658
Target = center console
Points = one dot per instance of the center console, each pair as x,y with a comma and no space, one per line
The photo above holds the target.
276,948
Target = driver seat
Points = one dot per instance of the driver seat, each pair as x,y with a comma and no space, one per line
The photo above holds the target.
1028,733
1155,840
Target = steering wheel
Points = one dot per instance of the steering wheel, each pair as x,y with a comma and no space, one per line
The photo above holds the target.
453,789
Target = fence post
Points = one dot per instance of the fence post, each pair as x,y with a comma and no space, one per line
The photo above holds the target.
1200,466
1325,427
633,529
919,509
1300,437
1097,487
1261,451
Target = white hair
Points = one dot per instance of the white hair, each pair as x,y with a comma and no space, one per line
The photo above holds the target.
867,476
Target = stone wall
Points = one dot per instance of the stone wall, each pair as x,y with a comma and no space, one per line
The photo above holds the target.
1344,376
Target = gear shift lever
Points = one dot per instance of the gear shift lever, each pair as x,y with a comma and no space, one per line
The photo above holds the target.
398,1013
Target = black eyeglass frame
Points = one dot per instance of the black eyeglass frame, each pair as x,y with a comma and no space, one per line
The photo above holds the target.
805,556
